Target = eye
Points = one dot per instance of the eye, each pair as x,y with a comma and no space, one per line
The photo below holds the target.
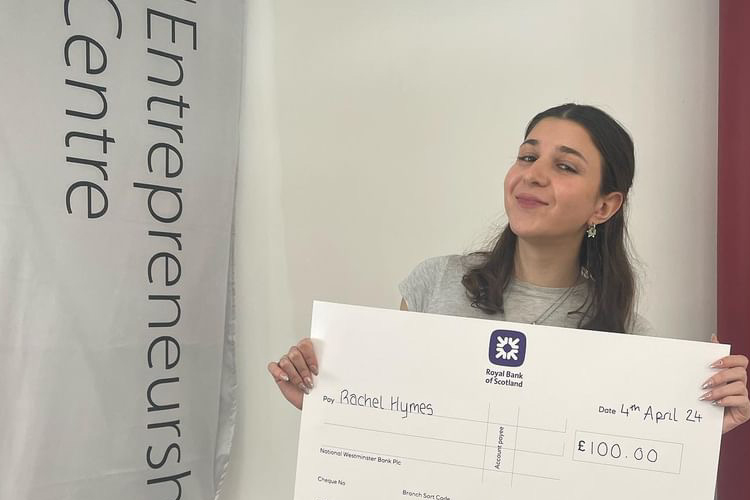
562,166
567,168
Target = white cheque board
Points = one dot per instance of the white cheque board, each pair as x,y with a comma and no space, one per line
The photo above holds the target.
413,405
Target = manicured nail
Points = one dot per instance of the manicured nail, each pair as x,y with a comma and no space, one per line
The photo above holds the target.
309,383
716,403
284,377
705,396
707,384
314,369
717,364
304,389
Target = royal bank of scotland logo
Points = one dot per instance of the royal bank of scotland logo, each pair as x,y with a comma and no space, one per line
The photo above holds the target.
507,348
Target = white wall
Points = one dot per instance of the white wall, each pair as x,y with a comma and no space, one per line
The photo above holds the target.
378,133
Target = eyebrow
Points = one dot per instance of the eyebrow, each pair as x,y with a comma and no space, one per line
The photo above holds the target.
563,149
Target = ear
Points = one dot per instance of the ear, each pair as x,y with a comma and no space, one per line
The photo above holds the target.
606,206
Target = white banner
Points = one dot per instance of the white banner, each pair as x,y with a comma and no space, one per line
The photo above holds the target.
118,154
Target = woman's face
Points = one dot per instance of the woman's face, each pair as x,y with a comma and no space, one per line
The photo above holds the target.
552,191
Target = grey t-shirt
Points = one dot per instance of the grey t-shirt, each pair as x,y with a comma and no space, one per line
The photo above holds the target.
434,286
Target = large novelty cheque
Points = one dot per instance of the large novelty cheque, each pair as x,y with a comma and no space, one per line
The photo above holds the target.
413,405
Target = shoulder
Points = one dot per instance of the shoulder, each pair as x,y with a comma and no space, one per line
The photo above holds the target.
420,285
450,266
434,265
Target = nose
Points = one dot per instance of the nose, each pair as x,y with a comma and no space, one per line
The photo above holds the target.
535,174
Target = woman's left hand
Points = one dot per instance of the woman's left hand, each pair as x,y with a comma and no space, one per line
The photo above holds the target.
728,388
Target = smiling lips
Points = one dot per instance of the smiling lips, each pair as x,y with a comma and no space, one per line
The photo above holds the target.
529,201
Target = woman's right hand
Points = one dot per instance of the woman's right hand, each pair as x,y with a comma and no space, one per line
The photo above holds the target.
294,371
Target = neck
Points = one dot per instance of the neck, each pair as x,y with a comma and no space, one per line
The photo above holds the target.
548,264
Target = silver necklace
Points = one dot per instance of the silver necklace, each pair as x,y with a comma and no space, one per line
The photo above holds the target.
554,306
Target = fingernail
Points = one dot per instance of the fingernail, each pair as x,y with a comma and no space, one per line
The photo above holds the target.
707,384
309,383
284,377
304,389
314,369
717,364
705,396
716,403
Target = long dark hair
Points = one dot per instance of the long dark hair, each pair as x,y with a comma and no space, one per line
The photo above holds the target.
604,258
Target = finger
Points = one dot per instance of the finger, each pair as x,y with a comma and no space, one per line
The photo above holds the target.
294,377
295,355
732,401
277,373
308,351
733,389
726,376
731,361
291,392
714,338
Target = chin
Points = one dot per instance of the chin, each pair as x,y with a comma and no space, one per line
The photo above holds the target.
524,230
532,232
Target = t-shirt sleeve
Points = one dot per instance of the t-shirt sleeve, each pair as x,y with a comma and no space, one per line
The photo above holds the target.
418,287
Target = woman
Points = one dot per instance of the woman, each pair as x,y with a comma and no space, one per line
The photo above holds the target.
560,261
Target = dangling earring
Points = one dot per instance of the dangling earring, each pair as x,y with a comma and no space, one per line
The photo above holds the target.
591,251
